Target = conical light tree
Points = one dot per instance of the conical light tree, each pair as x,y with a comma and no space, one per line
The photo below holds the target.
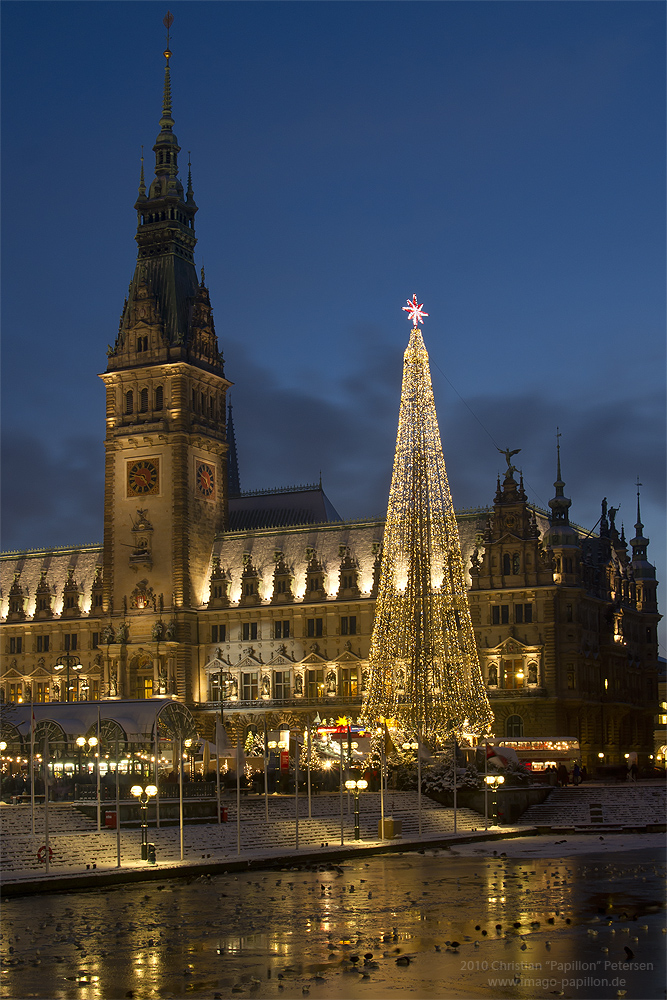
423,666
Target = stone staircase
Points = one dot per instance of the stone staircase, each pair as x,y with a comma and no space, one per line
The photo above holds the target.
75,842
609,806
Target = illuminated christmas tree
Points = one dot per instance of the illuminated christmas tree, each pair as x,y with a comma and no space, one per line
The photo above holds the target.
423,666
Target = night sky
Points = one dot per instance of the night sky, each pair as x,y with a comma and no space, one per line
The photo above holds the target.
505,161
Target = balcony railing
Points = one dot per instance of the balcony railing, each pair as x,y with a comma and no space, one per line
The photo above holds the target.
257,704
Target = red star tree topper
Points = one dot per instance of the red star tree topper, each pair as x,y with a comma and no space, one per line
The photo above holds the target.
415,311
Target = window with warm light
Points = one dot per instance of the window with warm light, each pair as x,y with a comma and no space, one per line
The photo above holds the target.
281,684
315,683
249,686
512,674
349,682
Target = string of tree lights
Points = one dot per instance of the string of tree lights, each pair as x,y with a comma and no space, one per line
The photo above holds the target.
424,670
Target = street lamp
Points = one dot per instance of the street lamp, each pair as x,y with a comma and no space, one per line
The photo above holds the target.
81,743
356,787
70,661
493,780
144,794
411,746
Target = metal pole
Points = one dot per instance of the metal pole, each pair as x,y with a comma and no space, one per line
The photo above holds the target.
32,766
97,775
217,769
310,814
218,741
486,785
46,799
266,776
238,796
419,779
180,789
342,826
382,835
117,807
296,788
455,784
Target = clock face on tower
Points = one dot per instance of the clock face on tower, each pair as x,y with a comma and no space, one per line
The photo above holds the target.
205,480
143,477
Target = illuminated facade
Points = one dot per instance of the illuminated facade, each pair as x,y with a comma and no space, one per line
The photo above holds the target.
266,601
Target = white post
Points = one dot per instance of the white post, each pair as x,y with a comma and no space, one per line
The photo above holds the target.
157,774
97,774
296,788
266,776
180,789
310,814
382,788
419,779
486,785
32,767
46,799
238,797
342,826
455,784
117,808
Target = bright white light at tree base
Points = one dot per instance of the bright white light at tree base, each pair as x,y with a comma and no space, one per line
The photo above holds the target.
415,311
423,666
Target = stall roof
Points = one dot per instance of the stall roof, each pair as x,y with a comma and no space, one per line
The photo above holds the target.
136,718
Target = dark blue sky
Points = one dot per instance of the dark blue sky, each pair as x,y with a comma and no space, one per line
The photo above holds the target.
505,161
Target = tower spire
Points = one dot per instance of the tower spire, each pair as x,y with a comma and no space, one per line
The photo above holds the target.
165,236
560,504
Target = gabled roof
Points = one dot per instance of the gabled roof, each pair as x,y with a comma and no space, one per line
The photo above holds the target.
281,507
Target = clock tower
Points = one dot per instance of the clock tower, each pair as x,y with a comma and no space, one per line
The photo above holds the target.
165,476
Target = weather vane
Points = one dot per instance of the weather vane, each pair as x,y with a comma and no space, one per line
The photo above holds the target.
168,20
415,311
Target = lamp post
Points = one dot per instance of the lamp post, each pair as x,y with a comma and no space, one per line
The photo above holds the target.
356,787
70,662
81,742
493,780
143,794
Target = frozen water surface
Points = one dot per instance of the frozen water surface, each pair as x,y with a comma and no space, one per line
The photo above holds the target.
421,925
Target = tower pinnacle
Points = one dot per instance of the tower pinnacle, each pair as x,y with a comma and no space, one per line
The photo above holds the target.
560,504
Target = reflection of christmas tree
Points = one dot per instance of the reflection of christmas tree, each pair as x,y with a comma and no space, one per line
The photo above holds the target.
423,666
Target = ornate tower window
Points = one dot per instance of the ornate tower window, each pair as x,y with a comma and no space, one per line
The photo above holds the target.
158,399
129,401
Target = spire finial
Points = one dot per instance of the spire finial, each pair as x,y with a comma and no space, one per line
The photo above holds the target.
558,437
168,20
639,524
167,121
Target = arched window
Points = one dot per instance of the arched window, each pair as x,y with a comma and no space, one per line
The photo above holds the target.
506,564
515,563
143,400
159,398
514,725
129,401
